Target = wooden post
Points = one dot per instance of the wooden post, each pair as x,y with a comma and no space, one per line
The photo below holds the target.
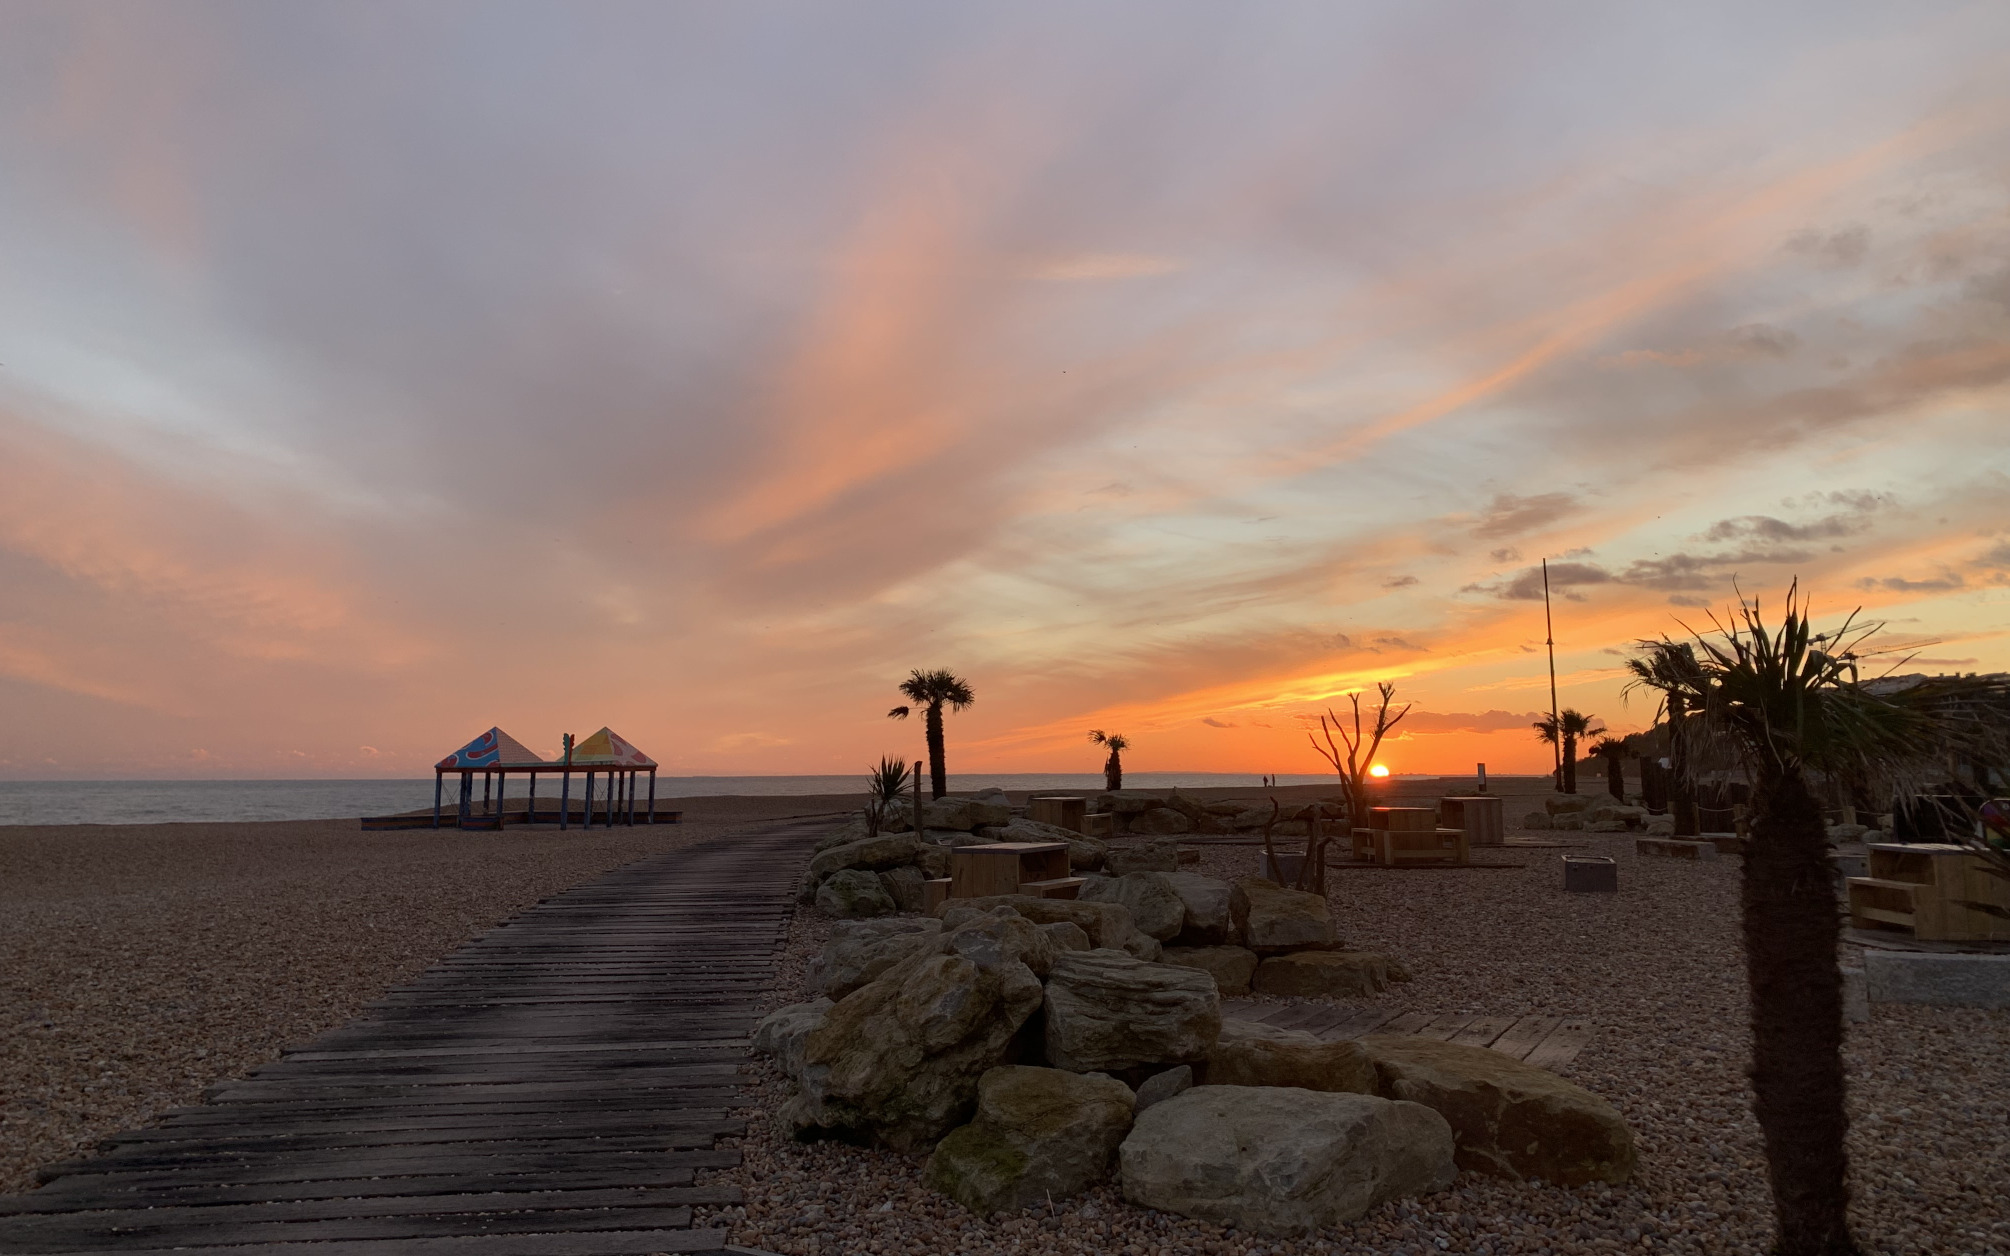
917,799
589,800
488,780
565,787
631,799
652,795
530,804
439,780
467,796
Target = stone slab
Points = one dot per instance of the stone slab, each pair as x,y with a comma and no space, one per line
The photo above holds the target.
1941,980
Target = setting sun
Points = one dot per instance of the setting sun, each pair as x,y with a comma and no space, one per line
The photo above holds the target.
1378,771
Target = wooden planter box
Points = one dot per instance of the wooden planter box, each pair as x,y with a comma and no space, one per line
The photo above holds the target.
1036,868
1097,824
1482,816
1941,893
1411,846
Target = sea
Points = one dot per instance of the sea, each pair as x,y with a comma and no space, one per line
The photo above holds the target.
167,802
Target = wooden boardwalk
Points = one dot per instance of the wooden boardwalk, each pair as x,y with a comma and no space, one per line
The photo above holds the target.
1544,1041
550,1089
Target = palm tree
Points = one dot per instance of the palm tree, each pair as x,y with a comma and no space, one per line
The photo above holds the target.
932,691
1573,726
1791,703
1113,768
1613,751
1670,669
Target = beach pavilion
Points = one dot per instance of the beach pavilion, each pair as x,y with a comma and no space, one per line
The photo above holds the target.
497,756
608,752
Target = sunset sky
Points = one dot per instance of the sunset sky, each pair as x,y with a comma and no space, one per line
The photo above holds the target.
374,373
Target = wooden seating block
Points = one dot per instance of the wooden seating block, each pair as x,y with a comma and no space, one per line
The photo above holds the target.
1055,887
1480,815
1394,846
1403,819
934,893
1002,867
1097,824
1949,893
1062,812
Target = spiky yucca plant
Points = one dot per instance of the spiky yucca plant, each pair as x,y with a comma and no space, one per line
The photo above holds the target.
885,786
1113,767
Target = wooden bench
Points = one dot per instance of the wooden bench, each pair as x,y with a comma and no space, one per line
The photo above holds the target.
1037,868
1060,811
1938,892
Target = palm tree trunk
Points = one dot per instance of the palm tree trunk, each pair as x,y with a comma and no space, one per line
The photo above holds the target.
1113,773
938,767
1791,930
1682,790
1615,777
1569,764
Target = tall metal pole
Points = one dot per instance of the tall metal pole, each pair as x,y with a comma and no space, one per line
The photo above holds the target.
1555,720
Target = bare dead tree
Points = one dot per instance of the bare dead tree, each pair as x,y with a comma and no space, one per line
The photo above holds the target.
1362,745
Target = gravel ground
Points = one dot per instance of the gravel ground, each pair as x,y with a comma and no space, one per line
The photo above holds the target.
141,963
1659,970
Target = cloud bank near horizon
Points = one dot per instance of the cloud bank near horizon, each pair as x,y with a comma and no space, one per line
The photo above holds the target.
364,384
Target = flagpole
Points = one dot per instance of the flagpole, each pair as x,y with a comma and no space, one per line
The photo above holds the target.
1555,722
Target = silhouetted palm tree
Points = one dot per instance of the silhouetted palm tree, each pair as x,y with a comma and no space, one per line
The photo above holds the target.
1113,767
932,691
1792,704
1573,726
1613,751
1670,669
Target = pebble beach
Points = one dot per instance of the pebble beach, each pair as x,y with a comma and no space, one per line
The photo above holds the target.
140,963
1657,967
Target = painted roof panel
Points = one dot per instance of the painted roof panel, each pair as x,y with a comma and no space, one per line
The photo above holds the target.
493,749
607,748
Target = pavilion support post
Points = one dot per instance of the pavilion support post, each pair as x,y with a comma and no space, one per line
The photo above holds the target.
439,782
652,795
467,798
564,799
488,783
589,801
631,799
530,805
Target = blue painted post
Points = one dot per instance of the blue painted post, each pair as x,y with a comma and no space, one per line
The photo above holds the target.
631,800
530,804
589,800
467,799
652,795
439,781
488,781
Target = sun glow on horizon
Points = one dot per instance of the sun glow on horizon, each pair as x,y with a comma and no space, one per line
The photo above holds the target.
1379,771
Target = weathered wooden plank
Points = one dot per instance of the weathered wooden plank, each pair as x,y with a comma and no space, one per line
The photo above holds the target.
1442,1027
525,1122
1359,1024
600,1243
1326,1018
1521,1037
251,1139
1407,1023
1482,1030
1562,1044
67,1233
86,1191
525,1200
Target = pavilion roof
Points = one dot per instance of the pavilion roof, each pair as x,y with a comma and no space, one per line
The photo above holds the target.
607,748
493,749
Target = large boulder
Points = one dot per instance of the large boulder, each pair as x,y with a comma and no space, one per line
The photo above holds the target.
1142,857
1281,1160
1273,920
1160,1087
1150,897
1610,808
854,892
1250,1053
1108,924
1192,808
1161,820
1509,1118
1322,974
1538,820
933,861
852,830
1127,802
1565,804
860,950
1067,936
1040,1134
952,838
1567,821
903,886
888,850
897,1061
1106,1010
1232,967
1207,920
781,1032
965,814
998,935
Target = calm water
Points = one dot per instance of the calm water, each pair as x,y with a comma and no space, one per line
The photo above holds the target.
158,802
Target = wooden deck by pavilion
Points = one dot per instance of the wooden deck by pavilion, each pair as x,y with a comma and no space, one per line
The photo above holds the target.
550,1089
1544,1041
